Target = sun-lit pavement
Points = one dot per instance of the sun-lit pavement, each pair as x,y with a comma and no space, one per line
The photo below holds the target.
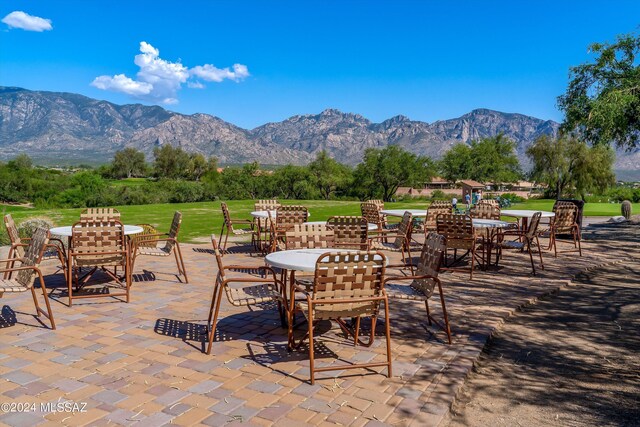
142,363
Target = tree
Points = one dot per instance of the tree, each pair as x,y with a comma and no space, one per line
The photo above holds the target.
490,159
293,182
327,174
602,101
569,166
383,171
198,166
171,162
128,163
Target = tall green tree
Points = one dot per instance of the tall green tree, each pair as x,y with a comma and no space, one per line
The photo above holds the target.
128,163
490,159
571,167
328,175
171,162
602,101
383,171
293,182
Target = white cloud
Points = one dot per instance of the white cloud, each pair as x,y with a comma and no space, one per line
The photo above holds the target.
159,80
24,21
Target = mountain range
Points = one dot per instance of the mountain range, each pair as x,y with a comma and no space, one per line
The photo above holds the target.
73,127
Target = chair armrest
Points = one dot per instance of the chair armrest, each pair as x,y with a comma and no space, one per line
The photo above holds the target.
26,267
11,259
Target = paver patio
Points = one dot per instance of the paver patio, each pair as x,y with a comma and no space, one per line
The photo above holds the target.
143,364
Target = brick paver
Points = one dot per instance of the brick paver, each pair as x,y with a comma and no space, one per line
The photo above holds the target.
143,364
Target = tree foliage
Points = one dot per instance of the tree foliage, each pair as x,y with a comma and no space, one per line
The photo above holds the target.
327,174
488,160
128,163
602,101
383,171
570,167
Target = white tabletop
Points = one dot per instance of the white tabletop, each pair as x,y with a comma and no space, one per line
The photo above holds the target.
299,259
525,213
265,214
490,223
400,212
66,231
370,227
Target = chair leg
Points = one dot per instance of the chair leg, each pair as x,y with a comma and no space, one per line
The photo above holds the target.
356,331
444,312
533,267
426,304
70,281
578,238
311,354
388,336
473,259
180,263
539,252
212,331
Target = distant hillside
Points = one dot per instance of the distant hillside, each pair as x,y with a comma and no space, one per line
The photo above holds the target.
55,125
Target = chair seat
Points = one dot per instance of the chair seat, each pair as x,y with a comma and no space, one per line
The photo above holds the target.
512,245
254,294
334,311
162,251
386,246
11,285
94,260
242,231
407,292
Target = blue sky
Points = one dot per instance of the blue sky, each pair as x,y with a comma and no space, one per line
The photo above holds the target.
426,60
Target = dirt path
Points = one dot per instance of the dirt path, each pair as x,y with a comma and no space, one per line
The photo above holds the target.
573,359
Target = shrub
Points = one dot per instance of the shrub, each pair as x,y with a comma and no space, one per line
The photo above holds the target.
27,227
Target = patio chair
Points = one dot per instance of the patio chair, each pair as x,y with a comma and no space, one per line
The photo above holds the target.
491,202
371,212
401,242
97,245
379,203
346,285
436,208
424,280
99,214
286,218
350,232
252,290
308,236
459,234
53,250
141,245
228,225
27,271
147,230
565,222
262,225
485,211
524,240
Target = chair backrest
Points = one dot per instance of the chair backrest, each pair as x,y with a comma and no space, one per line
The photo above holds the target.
32,256
492,202
485,211
218,254
147,230
566,215
266,205
436,208
99,241
350,232
99,214
430,262
174,230
226,216
371,213
403,234
288,216
350,275
534,222
14,235
457,230
308,236
379,203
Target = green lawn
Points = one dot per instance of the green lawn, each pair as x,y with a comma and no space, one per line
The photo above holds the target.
202,219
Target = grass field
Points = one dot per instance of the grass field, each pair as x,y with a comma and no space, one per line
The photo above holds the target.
202,219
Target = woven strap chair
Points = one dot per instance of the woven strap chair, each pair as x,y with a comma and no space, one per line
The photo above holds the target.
98,244
346,285
242,291
523,240
565,221
491,202
436,208
262,225
459,235
147,231
424,280
371,212
27,272
228,225
308,236
350,232
400,241
286,218
141,245
99,214
53,250
485,211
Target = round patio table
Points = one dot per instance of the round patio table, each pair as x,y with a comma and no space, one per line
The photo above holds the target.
490,223
371,226
265,214
299,259
400,212
525,214
489,227
66,230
